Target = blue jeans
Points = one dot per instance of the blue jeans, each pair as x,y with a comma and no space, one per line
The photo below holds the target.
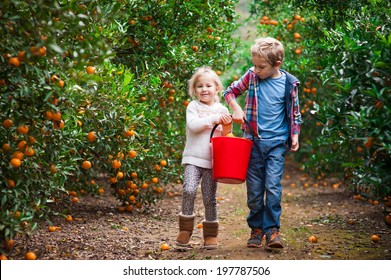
264,190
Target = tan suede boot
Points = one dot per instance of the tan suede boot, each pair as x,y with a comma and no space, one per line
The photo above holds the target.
186,225
211,230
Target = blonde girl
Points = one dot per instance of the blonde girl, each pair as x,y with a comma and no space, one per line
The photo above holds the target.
201,115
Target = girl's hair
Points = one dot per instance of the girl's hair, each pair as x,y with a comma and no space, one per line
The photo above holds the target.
268,48
201,71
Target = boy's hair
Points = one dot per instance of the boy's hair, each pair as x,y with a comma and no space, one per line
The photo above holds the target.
268,48
205,70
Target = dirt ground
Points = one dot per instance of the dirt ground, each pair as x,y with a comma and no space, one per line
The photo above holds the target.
343,226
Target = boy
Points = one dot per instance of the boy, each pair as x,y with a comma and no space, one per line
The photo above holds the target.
272,109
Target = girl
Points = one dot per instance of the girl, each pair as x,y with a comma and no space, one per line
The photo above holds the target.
201,115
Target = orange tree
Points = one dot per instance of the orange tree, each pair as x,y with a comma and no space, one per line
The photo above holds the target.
341,53
94,93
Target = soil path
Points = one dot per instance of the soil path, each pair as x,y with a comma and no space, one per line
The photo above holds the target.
343,226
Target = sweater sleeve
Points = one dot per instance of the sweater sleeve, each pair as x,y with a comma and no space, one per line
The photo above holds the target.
195,123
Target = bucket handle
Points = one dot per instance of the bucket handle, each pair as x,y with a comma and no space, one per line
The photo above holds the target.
245,121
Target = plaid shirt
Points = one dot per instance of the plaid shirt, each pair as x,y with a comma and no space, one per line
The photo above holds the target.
250,81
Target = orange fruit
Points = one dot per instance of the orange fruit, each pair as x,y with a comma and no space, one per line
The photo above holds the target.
61,83
200,225
144,186
23,129
8,243
14,61
163,163
155,180
53,228
129,208
22,144
3,257
8,123
194,48
157,167
86,164
90,69
116,164
165,247
56,116
11,183
186,102
6,147
132,154
230,135
30,256
388,219
296,35
75,199
134,175
375,238
369,142
91,136
29,151
313,239
120,175
15,162
68,218
128,133
298,50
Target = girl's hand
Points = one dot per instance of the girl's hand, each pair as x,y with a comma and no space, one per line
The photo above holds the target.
225,119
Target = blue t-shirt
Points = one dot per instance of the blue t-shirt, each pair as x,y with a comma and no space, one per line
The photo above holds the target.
272,124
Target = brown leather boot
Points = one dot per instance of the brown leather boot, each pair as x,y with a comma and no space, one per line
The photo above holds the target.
211,229
186,225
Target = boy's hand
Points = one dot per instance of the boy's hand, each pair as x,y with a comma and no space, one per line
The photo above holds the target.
295,142
225,119
238,114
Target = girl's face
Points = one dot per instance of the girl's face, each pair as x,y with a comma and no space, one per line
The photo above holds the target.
264,69
205,89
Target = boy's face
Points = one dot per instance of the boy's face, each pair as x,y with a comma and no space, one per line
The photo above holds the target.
264,69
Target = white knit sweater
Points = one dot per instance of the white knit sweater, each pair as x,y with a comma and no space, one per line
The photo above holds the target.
200,119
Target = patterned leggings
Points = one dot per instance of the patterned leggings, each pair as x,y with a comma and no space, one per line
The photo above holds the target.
192,177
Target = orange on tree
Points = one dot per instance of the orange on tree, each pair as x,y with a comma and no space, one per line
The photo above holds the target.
155,180
11,183
23,129
90,69
8,243
163,163
296,35
18,155
29,151
116,164
86,164
129,133
15,162
132,154
14,61
8,123
91,136
22,145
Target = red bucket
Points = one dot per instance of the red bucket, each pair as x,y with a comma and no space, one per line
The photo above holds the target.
230,157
